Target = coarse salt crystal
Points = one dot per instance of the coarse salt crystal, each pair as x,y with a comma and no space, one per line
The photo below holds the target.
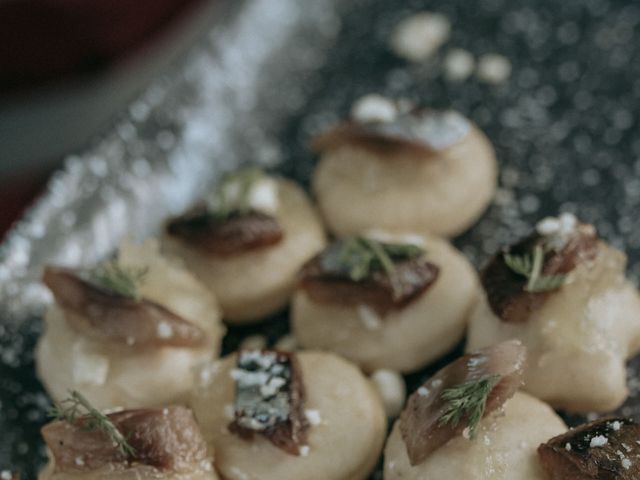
567,447
598,441
419,36
458,65
423,391
164,330
374,108
616,425
313,416
493,68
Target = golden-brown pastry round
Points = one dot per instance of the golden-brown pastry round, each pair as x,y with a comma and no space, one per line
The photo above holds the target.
344,440
503,449
578,339
253,284
116,375
442,190
403,339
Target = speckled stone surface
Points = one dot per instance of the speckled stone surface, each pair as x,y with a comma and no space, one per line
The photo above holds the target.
564,125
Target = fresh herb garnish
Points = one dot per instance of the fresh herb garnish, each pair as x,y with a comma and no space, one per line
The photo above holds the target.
125,281
358,257
530,266
467,400
233,194
78,411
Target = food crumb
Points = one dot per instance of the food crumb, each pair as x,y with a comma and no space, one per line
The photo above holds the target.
458,65
493,68
304,450
390,385
626,463
374,108
419,36
598,441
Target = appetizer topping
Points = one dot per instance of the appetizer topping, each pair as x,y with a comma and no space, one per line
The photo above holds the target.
236,233
414,131
456,398
374,108
105,314
238,218
519,280
84,439
125,281
605,449
270,399
363,271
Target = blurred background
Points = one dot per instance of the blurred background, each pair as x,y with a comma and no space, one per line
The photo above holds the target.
67,67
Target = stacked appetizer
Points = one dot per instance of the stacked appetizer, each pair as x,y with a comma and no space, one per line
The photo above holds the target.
130,349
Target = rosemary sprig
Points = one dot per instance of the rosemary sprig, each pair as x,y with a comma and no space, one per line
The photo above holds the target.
467,400
233,193
125,281
78,411
358,257
530,266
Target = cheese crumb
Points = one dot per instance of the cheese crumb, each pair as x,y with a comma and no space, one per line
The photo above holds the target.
79,461
458,65
567,447
493,68
598,441
392,390
264,196
164,330
304,450
626,463
419,36
374,108
423,391
313,416
616,425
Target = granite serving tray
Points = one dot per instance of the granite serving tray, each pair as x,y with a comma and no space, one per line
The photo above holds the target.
273,72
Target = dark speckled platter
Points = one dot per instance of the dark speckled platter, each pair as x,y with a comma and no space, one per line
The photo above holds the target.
564,126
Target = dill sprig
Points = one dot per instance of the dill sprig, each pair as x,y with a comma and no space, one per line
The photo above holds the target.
125,281
358,257
233,194
78,411
530,266
467,400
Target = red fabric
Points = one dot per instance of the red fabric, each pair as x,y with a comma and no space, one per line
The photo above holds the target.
47,39
16,194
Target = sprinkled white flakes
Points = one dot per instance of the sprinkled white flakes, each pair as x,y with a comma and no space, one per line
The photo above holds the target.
264,196
374,108
418,37
304,450
458,65
369,317
164,330
567,447
423,391
626,463
616,425
254,342
390,385
493,68
79,461
229,411
5,475
313,416
598,441
557,229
